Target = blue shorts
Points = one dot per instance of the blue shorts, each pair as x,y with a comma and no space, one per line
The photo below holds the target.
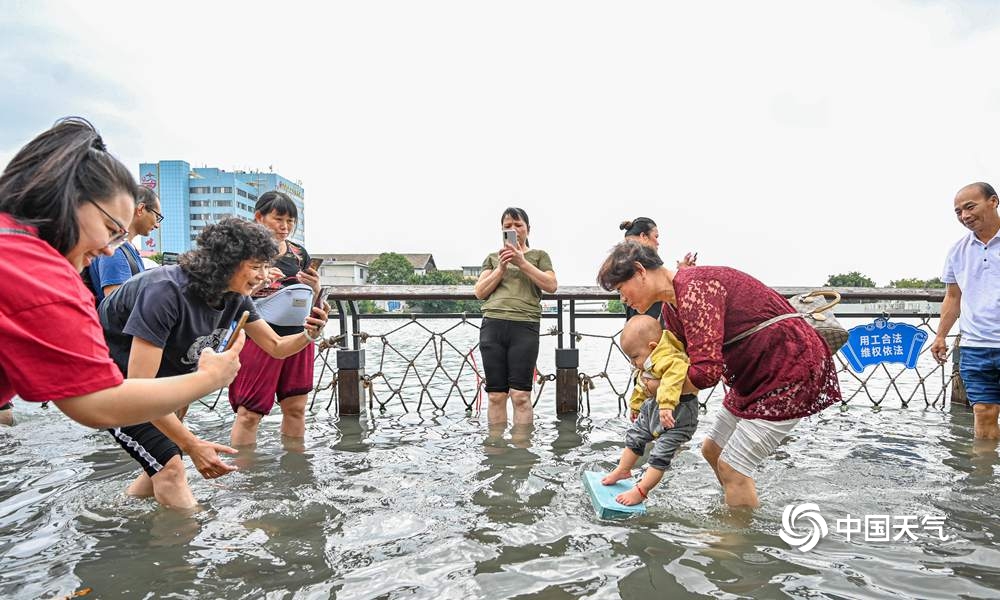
980,371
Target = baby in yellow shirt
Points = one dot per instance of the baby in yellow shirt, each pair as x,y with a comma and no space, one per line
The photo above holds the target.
661,415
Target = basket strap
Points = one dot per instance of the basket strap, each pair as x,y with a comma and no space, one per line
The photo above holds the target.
766,323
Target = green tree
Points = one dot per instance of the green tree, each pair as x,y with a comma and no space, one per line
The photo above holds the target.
157,258
442,306
913,282
852,279
616,306
368,307
390,269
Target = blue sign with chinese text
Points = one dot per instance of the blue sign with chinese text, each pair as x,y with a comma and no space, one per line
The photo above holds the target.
883,341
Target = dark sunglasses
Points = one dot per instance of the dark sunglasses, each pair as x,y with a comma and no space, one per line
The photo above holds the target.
118,238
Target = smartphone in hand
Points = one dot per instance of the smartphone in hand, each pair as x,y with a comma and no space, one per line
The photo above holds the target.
234,331
314,264
510,237
323,293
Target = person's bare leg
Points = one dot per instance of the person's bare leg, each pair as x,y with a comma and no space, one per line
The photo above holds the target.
740,490
523,413
985,416
497,411
624,468
244,428
142,487
650,479
170,485
293,416
7,416
711,451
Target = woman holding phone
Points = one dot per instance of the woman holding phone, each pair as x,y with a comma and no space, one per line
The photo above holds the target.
65,200
511,283
158,322
265,378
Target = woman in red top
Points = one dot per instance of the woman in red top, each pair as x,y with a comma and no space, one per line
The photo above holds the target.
776,376
65,200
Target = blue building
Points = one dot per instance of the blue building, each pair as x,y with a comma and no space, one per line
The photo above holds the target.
193,198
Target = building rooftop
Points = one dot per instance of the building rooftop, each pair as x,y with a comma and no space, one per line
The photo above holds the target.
419,261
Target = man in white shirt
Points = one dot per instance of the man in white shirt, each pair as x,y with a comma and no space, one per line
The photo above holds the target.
972,273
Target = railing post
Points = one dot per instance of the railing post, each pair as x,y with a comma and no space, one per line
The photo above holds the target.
958,395
350,381
567,363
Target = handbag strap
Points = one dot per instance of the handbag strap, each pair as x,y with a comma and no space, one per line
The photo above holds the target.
757,328
833,297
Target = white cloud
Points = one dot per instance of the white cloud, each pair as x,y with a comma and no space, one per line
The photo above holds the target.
779,138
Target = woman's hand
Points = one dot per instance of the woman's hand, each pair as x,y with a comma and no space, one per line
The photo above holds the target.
205,456
273,274
311,278
317,320
689,260
221,368
510,254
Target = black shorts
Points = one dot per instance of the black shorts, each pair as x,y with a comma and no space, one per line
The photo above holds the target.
147,445
510,350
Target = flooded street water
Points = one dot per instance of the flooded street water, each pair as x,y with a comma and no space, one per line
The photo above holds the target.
433,505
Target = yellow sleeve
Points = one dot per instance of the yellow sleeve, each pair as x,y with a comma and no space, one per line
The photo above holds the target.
670,364
638,393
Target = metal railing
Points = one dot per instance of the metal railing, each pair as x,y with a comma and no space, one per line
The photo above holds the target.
433,365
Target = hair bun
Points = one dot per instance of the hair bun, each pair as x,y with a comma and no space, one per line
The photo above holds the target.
625,225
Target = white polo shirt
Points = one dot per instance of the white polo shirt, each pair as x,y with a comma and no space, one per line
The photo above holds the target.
975,267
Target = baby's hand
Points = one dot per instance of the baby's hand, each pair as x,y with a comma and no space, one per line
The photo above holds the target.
666,418
633,415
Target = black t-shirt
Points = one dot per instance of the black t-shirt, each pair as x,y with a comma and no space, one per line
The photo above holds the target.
294,259
157,306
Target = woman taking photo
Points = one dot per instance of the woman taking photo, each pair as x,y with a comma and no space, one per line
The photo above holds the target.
64,200
158,322
511,283
263,377
776,376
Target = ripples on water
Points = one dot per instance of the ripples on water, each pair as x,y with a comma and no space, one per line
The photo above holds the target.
433,506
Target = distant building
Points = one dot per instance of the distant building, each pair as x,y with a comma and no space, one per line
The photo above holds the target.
472,272
193,198
337,268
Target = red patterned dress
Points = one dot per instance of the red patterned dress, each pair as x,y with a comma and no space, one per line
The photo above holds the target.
784,371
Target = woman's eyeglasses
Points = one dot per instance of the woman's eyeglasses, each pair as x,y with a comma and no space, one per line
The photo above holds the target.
118,238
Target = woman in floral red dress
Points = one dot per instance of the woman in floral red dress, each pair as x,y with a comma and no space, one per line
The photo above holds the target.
775,376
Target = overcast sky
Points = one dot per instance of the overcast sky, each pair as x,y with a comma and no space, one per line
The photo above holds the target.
791,140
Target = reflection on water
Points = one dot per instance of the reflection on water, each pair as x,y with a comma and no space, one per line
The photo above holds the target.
439,506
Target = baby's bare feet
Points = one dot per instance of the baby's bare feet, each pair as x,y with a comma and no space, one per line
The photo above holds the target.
629,498
615,476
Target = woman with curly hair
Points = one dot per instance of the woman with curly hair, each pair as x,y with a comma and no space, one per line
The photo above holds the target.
157,324
64,200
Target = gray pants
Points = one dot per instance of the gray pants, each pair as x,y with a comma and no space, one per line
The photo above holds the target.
646,428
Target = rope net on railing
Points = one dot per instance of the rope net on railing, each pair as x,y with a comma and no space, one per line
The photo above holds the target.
418,367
